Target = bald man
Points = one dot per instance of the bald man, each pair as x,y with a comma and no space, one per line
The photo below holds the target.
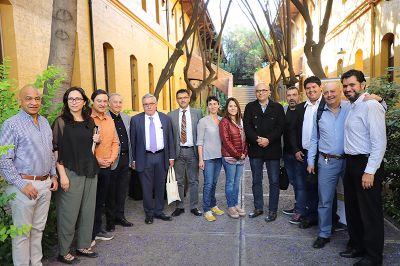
29,169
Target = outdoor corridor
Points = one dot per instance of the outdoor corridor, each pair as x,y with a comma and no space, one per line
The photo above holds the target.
190,240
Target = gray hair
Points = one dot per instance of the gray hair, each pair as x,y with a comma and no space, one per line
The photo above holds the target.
112,95
148,95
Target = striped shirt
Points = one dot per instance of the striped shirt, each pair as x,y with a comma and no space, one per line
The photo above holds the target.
33,150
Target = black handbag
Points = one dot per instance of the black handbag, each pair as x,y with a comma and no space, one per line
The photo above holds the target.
283,179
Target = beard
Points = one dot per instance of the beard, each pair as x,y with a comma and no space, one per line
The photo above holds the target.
355,96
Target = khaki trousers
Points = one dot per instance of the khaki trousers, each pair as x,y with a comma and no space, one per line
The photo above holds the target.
27,249
75,209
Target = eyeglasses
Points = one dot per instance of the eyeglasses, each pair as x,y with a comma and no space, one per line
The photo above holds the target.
77,100
261,91
148,105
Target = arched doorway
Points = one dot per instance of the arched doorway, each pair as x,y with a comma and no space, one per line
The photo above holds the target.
339,67
109,67
387,55
359,63
134,83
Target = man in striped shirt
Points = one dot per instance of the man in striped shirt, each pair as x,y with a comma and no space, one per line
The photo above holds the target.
29,168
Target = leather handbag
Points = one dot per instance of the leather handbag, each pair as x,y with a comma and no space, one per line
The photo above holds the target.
172,186
283,179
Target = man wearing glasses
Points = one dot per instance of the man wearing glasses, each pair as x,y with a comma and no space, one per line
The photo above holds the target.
263,122
153,151
184,122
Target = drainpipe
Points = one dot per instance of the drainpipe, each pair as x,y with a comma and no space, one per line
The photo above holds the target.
372,54
169,80
92,45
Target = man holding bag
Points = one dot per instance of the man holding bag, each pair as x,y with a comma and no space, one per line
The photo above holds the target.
153,151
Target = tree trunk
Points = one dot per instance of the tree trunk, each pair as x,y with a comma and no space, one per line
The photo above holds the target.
62,43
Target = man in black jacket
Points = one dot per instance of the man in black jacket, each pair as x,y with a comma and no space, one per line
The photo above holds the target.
300,137
263,124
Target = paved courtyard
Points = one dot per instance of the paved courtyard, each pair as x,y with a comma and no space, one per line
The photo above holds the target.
190,240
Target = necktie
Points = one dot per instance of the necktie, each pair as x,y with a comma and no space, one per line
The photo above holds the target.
183,128
153,139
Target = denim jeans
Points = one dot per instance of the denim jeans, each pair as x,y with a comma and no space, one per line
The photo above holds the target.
290,166
212,168
233,172
301,189
272,166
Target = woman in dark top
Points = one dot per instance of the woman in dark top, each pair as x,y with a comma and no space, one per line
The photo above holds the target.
73,137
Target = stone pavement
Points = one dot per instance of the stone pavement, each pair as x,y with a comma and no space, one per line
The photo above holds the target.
190,240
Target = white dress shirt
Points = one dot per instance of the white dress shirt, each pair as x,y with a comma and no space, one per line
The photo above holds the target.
159,131
308,122
189,134
365,132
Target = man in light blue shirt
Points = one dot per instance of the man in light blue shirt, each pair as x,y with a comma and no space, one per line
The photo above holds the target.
29,168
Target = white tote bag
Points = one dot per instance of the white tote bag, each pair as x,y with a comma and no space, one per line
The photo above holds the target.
172,186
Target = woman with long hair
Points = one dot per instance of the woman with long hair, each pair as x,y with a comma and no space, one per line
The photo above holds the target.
73,135
209,147
234,151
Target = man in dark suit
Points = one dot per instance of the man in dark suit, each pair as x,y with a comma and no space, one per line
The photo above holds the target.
263,123
184,122
120,170
153,151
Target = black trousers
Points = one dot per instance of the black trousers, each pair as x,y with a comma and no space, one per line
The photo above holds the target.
101,195
118,187
153,179
364,213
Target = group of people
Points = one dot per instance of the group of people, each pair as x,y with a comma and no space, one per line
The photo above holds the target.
88,152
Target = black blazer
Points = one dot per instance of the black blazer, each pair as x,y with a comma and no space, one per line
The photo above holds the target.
296,128
269,124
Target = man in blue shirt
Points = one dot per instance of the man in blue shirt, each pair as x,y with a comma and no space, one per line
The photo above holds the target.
29,168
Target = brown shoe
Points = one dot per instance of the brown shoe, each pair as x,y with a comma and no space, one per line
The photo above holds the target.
232,212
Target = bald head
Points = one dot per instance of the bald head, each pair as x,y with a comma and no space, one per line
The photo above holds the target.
332,94
262,92
30,100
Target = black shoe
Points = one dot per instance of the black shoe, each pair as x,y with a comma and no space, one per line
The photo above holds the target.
62,259
87,252
320,242
177,212
351,253
270,217
123,222
304,224
366,262
148,220
163,217
289,211
196,212
110,228
338,227
256,213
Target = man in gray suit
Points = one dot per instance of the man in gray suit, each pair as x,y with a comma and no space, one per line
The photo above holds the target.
120,170
184,122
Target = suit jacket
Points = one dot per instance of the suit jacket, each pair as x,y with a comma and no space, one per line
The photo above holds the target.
295,133
195,115
138,140
126,120
268,124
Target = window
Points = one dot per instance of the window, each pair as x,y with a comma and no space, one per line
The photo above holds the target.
339,69
359,63
165,97
151,78
326,71
144,6
387,55
157,11
134,83
174,104
109,67
176,24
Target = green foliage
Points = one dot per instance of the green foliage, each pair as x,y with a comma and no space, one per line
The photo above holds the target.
8,102
51,79
244,54
390,91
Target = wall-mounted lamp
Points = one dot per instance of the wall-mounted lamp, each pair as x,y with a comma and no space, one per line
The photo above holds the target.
341,51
